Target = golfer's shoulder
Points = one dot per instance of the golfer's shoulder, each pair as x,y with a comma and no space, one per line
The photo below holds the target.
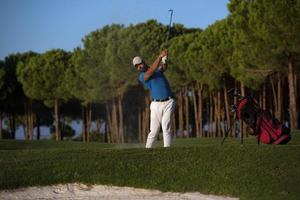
141,76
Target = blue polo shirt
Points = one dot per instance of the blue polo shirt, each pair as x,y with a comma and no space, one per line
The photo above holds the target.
157,84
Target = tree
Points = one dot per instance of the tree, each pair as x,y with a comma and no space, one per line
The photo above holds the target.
24,103
265,39
88,83
91,73
12,93
2,75
180,77
246,50
280,34
43,78
215,50
121,75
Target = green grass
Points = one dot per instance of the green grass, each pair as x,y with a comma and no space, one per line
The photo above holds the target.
247,171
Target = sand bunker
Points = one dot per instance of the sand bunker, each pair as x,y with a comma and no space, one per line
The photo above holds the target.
81,192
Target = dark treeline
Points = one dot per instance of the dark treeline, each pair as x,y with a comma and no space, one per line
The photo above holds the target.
256,50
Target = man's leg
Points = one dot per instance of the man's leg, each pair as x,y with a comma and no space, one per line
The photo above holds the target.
167,122
155,117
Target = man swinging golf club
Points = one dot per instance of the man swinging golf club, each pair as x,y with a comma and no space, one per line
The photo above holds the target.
163,103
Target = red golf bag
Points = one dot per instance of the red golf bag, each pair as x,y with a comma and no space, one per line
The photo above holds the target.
267,129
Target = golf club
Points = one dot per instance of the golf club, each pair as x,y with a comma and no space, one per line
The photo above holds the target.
169,28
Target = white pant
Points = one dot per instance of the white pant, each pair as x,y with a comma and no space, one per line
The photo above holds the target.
161,115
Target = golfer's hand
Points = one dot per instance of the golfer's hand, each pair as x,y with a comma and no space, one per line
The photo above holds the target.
164,58
163,53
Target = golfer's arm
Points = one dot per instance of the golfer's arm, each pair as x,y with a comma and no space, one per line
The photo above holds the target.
152,68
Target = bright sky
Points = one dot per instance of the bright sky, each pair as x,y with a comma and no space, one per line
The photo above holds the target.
41,25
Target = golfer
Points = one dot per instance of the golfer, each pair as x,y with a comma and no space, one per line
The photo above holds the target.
163,103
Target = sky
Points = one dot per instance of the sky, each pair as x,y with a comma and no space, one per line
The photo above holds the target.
41,25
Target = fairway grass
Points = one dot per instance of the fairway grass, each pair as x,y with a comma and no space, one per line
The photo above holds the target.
248,171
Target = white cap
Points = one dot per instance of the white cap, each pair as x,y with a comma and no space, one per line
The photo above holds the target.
137,60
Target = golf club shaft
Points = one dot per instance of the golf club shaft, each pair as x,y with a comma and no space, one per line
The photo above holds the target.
170,24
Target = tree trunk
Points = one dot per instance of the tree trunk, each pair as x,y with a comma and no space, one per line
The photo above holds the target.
211,112
121,128
14,125
144,122
89,120
292,95
1,131
279,96
62,127
216,114
38,130
98,125
187,113
88,115
57,120
12,121
298,98
180,113
196,112
84,124
140,132
242,125
200,108
30,121
24,130
264,97
296,90
26,121
214,109
227,111
219,116
174,129
115,123
234,131
275,98
146,117
109,123
106,132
